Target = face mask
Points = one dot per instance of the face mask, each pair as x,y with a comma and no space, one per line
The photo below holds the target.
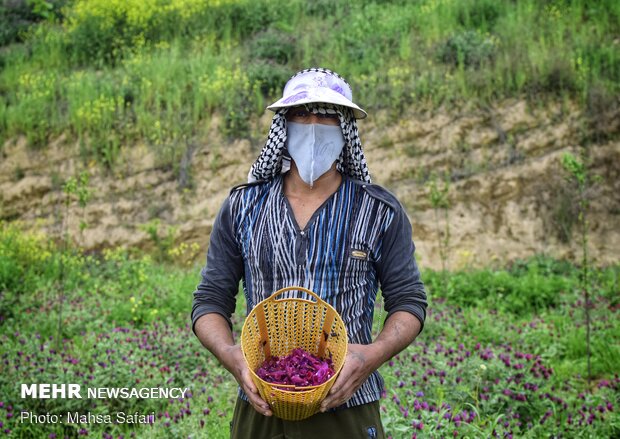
314,148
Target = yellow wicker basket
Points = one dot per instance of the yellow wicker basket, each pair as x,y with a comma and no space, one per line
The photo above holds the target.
276,327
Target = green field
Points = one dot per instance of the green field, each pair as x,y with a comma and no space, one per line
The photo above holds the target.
503,351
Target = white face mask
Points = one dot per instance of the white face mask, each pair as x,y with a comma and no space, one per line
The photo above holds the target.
314,148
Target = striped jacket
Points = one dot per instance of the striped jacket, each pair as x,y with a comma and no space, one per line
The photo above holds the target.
357,241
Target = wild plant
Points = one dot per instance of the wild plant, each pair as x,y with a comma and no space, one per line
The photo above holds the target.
439,190
75,188
577,169
162,237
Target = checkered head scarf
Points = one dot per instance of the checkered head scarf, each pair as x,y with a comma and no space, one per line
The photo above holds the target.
274,160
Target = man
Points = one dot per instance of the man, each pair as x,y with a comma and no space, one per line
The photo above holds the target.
310,217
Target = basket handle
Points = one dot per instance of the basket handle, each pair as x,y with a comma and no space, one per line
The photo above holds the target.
327,323
305,290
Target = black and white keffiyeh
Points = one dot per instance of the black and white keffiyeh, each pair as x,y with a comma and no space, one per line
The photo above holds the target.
273,155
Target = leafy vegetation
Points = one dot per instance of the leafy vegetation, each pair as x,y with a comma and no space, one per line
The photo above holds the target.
110,73
502,353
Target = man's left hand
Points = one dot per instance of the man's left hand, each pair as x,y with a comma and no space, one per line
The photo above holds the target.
360,362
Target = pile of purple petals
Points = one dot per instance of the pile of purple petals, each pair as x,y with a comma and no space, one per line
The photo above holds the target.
300,368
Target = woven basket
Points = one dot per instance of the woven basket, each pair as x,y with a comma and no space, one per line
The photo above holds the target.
276,327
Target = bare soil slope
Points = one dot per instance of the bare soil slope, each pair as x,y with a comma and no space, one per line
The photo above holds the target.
509,196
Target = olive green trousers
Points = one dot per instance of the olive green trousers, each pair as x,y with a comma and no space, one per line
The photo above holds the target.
363,422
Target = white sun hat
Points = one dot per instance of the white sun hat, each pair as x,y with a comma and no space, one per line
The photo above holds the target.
317,85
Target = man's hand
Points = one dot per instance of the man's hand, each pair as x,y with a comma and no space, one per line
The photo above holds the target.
400,329
232,359
359,363
214,333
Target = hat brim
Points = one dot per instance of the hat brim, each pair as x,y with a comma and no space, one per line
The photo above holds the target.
317,95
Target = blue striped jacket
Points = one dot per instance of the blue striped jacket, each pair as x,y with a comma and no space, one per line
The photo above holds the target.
357,241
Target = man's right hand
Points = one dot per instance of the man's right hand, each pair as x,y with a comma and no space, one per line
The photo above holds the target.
214,333
234,361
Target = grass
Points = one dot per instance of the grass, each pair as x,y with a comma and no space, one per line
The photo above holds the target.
479,368
110,73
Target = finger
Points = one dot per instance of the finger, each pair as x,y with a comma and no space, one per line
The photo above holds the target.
334,400
257,401
327,403
260,406
255,397
325,406
332,396
336,393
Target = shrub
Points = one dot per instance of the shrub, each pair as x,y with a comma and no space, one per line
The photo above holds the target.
322,8
526,290
106,30
17,16
272,45
22,256
230,91
467,48
557,76
103,30
271,77
476,14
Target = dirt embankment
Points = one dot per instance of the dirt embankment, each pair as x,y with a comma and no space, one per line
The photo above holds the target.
508,194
